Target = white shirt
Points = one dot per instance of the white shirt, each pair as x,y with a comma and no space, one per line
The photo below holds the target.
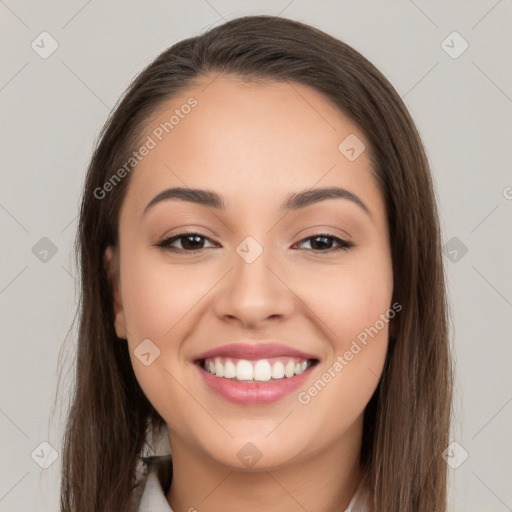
154,500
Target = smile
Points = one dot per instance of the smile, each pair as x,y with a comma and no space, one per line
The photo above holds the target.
261,370
255,382
249,373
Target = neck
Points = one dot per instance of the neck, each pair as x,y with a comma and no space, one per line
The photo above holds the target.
324,482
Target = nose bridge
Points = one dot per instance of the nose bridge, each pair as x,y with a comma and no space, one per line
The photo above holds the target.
251,265
253,291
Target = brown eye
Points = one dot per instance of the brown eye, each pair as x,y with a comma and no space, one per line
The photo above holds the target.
190,242
323,242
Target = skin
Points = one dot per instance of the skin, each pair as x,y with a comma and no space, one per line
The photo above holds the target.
254,144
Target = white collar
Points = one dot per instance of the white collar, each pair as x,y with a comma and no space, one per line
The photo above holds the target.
153,498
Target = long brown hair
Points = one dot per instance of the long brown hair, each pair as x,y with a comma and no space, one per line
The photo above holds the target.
406,423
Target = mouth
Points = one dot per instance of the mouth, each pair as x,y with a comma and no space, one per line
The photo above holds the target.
254,375
246,371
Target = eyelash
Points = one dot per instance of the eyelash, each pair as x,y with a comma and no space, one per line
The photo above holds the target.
165,244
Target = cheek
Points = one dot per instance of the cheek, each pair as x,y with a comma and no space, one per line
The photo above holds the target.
157,296
156,300
354,302
347,297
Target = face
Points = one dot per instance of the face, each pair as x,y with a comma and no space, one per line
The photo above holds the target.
271,294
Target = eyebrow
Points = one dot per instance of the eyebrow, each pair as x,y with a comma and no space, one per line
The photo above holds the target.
294,201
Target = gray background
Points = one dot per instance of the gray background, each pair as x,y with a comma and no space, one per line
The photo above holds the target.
53,108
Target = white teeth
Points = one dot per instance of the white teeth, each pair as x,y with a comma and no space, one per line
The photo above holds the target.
229,370
244,370
289,369
262,370
219,368
278,370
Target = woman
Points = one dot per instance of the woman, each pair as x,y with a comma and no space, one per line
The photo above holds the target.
262,288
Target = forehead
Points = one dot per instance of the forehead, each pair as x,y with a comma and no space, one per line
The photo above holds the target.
250,141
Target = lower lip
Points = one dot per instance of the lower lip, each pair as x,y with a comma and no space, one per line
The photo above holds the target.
254,393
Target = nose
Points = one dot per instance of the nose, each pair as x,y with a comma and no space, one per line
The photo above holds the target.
255,293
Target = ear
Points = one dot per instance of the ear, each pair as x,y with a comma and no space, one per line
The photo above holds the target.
111,265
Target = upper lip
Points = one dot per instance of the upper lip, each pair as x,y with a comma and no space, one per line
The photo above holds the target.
253,351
